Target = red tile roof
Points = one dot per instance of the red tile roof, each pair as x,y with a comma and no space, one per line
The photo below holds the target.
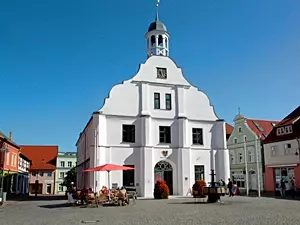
261,128
41,156
229,128
293,119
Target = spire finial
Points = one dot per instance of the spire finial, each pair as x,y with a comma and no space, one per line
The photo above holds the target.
239,110
157,5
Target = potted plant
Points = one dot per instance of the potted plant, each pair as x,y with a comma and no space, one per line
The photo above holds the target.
198,188
161,190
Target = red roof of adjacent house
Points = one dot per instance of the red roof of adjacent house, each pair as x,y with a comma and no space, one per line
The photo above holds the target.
42,157
293,119
229,128
261,128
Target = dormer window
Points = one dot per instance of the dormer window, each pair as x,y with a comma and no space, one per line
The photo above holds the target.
273,150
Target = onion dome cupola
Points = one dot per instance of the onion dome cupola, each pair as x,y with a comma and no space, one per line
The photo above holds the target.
157,37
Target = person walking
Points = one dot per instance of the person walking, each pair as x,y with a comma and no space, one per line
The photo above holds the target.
282,187
229,186
293,188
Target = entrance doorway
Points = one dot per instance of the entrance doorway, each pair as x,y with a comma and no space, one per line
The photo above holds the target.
164,171
253,179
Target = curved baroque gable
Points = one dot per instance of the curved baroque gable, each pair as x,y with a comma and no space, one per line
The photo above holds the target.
124,98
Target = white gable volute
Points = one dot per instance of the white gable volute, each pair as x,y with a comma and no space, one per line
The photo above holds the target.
148,72
135,96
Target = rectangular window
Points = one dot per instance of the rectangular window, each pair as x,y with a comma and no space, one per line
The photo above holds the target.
49,174
60,188
69,164
156,101
7,158
199,172
61,175
197,136
41,174
168,102
48,188
241,157
128,133
62,164
164,134
128,177
251,156
33,173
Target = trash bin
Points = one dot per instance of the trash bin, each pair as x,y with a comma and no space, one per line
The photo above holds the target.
4,196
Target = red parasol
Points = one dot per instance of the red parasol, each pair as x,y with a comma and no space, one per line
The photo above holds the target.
108,168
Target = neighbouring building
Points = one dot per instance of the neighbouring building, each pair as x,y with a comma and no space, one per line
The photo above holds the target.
23,175
65,162
9,156
247,136
282,152
229,130
158,123
42,171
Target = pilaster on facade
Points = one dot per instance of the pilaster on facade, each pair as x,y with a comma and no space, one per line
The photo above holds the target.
184,169
145,130
180,102
183,133
144,100
147,169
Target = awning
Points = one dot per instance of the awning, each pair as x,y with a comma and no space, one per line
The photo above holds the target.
285,165
7,172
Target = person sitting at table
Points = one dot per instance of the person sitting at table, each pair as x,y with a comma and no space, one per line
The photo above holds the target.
83,196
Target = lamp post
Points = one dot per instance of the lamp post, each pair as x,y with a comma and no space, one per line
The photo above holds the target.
246,168
257,164
298,149
3,150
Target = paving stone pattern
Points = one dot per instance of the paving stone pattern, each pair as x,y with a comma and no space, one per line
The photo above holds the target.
236,210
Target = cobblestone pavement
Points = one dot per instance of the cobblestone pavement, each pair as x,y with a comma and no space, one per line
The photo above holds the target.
236,210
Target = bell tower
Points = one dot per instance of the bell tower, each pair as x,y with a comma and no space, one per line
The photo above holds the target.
157,37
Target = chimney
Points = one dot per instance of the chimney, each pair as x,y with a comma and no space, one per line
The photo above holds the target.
10,136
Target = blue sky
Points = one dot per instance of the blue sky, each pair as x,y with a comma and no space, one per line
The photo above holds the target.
59,59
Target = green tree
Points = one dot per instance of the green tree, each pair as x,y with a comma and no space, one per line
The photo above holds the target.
70,177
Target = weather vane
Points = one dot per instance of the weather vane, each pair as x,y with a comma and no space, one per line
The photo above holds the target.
157,5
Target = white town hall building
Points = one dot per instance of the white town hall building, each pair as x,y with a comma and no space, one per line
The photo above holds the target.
158,123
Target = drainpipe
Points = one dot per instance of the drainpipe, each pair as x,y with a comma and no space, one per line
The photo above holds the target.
85,144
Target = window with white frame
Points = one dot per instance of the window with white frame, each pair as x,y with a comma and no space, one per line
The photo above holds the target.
287,148
273,150
251,156
241,158
240,129
61,175
232,156
245,138
235,140
60,188
7,158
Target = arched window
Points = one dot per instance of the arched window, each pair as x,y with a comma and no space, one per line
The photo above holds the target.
160,41
153,42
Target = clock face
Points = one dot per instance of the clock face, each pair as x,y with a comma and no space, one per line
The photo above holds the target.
161,73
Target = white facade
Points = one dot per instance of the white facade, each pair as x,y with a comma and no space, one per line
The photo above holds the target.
23,165
64,163
244,140
282,153
182,108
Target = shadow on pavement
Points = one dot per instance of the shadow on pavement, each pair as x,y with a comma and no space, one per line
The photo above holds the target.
37,198
55,206
187,203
